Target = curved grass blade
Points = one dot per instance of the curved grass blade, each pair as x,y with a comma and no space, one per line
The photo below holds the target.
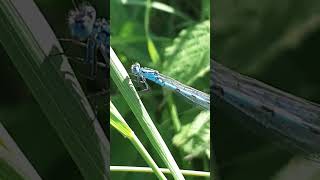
117,121
13,164
125,86
153,52
159,6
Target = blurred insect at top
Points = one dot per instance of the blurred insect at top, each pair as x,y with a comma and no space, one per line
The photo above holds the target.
83,25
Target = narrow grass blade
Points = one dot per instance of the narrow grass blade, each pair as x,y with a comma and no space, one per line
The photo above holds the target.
117,121
153,52
164,170
159,6
125,86
13,164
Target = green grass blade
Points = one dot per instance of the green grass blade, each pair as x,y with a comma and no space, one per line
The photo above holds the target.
117,121
159,6
153,52
164,170
29,41
13,164
125,86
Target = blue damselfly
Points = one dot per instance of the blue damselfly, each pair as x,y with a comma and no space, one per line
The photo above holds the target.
195,96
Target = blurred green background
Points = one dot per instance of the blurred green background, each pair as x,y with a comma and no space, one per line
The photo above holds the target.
183,56
276,42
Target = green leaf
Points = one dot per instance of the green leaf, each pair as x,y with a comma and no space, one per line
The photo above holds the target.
188,58
153,51
117,121
194,138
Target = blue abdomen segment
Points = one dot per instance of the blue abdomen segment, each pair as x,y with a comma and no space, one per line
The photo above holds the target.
195,96
152,76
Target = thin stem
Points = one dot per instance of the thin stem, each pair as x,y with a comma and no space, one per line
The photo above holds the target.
164,170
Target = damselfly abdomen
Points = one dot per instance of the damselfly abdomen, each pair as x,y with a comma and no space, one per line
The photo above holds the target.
195,96
294,120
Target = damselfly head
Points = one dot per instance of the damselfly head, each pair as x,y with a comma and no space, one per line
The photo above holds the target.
81,21
135,68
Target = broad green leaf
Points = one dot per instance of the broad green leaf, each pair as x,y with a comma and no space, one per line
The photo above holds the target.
188,58
194,138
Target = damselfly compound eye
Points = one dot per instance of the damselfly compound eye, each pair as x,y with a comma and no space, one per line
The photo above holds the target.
84,26
81,21
135,68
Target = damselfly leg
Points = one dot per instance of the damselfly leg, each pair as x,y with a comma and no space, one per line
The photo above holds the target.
140,82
